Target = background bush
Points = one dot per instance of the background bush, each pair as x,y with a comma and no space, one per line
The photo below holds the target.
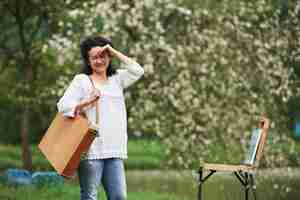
209,74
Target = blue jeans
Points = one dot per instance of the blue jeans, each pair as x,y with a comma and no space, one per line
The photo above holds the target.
110,172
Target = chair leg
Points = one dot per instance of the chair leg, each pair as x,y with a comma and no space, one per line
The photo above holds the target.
253,187
244,178
246,193
201,180
246,186
200,183
249,185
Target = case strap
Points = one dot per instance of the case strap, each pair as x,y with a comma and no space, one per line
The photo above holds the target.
97,106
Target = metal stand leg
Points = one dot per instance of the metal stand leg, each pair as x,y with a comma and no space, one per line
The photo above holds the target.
253,187
201,180
246,186
200,184
246,180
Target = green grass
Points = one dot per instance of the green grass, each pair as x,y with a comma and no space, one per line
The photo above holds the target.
145,154
142,153
68,191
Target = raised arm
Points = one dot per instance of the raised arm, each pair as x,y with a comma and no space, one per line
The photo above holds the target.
132,70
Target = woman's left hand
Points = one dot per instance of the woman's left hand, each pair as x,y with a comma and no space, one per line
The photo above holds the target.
114,53
111,51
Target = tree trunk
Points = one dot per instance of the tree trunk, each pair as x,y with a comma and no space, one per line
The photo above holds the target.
24,62
26,151
25,126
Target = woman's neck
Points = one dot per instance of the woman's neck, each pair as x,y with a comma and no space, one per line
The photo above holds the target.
99,77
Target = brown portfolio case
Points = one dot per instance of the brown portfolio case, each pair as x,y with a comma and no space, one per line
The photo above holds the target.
64,142
67,139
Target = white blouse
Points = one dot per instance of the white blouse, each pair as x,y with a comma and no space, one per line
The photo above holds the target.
112,140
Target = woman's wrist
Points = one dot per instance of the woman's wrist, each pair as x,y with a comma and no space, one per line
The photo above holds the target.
115,53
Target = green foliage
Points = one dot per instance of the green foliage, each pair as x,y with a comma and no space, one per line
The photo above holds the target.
30,66
209,75
212,68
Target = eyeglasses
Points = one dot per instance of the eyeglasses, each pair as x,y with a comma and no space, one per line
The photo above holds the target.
103,55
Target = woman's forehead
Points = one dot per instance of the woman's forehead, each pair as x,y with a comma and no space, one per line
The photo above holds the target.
94,50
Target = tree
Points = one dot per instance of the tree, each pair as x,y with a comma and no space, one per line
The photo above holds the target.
208,75
26,26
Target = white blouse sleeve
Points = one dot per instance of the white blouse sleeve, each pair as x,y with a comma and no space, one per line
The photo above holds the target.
130,73
72,96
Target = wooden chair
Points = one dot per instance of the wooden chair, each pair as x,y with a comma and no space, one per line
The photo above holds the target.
245,171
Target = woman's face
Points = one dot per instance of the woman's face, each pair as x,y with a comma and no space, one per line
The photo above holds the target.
99,59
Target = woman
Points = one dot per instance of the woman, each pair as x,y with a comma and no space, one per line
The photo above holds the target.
99,83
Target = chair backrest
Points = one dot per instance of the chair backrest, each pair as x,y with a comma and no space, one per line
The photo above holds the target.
257,142
253,146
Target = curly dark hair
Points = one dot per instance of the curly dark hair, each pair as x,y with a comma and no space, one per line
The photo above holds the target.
86,46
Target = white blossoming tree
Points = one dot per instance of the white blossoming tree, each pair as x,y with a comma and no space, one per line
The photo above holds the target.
209,75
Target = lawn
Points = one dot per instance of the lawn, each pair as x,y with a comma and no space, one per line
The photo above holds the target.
142,184
142,153
68,191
